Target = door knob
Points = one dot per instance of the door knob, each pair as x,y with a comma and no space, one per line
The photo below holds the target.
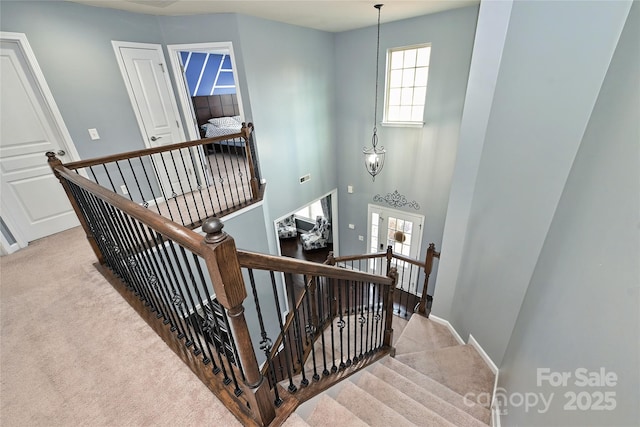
61,152
155,138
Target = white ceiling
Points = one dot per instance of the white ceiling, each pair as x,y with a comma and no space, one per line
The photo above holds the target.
326,15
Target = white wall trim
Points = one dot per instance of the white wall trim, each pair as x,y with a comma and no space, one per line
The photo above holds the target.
449,326
495,411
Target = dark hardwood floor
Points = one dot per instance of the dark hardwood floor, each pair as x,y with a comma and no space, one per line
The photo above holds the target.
292,247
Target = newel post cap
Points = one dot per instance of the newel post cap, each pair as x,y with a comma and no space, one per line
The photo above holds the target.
213,228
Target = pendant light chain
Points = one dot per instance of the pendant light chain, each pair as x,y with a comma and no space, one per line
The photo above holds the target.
375,111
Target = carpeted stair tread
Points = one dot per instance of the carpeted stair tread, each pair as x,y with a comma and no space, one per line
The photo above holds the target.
418,412
369,409
295,420
422,334
331,413
460,368
437,397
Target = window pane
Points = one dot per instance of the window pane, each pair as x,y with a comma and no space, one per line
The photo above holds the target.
405,114
392,223
394,96
417,113
374,230
407,96
419,95
374,244
407,239
406,250
397,59
423,56
394,114
410,58
395,78
408,77
375,218
421,76
400,225
408,226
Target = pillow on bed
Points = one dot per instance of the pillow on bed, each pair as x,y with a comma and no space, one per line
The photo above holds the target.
211,130
224,122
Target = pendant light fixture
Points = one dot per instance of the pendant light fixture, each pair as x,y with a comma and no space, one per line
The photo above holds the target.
374,156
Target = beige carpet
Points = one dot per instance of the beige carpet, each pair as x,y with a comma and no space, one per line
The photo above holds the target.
424,385
73,353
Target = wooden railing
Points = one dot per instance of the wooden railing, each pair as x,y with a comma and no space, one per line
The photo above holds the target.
191,289
412,276
185,182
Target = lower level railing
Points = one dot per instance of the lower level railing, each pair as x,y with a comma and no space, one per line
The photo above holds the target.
412,276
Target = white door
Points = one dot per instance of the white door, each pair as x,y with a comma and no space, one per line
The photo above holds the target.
403,232
34,204
145,73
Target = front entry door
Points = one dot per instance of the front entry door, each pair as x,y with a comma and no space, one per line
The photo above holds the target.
145,74
400,230
34,204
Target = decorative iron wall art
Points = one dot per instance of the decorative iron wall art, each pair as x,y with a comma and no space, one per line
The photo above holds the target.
396,200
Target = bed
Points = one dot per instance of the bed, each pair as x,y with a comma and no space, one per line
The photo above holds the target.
218,115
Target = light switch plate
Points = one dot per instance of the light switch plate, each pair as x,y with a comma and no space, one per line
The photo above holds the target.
93,133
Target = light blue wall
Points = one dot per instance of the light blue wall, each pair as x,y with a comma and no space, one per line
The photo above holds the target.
546,87
419,162
72,44
582,308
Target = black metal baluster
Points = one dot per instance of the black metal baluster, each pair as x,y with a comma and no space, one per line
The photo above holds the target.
156,278
183,283
135,179
311,329
341,324
175,300
332,313
321,291
199,185
183,193
298,333
215,187
265,342
356,319
292,388
153,193
222,180
347,292
226,172
173,195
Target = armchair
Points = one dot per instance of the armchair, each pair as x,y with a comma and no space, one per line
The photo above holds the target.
287,228
318,236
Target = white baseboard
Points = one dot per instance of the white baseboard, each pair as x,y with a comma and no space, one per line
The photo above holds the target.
449,326
495,411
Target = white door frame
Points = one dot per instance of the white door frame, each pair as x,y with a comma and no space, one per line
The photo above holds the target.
183,90
400,214
172,99
7,211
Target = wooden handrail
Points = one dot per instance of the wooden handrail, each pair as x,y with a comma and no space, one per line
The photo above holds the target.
360,257
244,133
176,232
296,266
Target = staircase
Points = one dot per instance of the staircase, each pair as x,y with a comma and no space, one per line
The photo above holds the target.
423,385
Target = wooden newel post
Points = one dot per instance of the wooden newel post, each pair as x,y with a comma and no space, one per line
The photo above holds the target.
230,290
388,326
389,256
428,265
55,163
247,129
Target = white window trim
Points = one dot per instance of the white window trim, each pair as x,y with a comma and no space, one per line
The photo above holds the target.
399,124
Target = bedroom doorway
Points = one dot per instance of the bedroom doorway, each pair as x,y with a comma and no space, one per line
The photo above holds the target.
203,69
